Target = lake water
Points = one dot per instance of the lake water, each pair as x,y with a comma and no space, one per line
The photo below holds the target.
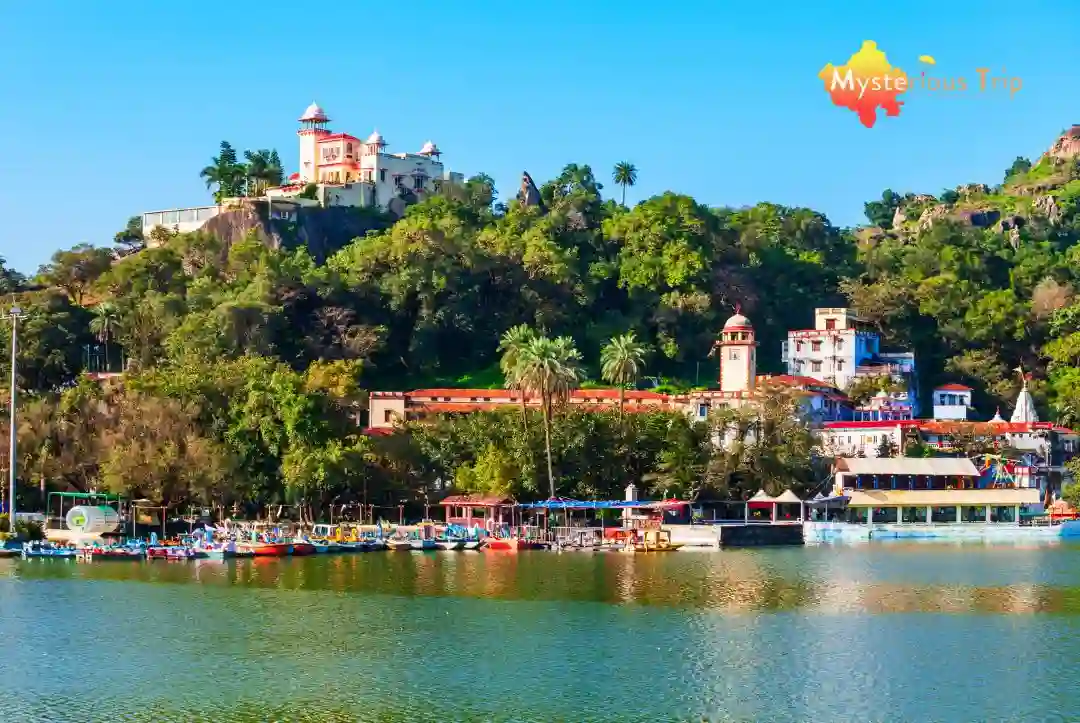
877,632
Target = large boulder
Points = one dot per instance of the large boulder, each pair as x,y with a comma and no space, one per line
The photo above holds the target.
1067,145
322,230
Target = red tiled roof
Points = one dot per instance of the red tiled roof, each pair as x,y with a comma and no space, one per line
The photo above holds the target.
339,137
797,380
936,426
507,394
952,388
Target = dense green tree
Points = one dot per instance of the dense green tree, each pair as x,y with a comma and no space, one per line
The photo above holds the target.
76,269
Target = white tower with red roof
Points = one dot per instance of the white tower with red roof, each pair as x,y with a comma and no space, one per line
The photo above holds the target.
738,355
312,129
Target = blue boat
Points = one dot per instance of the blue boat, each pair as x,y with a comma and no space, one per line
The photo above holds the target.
47,550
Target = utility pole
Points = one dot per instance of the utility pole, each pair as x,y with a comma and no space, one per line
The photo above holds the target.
15,313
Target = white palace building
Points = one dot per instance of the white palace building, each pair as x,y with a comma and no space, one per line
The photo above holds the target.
346,171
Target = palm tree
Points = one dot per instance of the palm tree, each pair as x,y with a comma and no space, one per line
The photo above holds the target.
621,362
224,172
263,169
104,325
625,174
513,342
549,368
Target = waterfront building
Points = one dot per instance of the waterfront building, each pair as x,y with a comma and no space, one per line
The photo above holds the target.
346,171
925,491
841,348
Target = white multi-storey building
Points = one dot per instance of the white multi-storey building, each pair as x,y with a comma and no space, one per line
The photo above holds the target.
841,348
347,171
354,172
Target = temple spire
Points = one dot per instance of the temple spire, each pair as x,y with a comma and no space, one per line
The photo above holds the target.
1024,412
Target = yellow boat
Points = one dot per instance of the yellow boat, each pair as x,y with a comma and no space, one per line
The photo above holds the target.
651,541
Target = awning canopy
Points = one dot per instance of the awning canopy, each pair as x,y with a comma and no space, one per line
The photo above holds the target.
919,466
788,497
762,497
943,498
833,501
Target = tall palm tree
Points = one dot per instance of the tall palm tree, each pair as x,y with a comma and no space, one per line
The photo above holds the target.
104,325
621,362
549,368
263,169
625,174
513,342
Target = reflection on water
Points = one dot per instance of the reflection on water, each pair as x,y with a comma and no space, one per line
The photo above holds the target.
542,636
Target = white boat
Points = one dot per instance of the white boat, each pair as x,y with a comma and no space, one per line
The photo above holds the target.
450,544
423,545
473,544
399,545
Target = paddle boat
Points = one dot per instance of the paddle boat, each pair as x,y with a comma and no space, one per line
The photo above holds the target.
265,549
170,552
398,544
450,544
513,544
41,549
128,553
651,541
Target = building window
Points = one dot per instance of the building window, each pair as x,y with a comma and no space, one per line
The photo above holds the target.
387,416
733,355
839,344
830,323
418,183
798,346
815,346
839,365
348,149
382,175
815,366
367,176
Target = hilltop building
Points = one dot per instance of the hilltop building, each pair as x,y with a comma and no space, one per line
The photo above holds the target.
841,348
346,171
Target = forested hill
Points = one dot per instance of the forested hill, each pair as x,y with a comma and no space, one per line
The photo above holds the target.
977,280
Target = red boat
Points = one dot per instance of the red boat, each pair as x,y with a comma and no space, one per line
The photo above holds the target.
267,549
303,548
512,544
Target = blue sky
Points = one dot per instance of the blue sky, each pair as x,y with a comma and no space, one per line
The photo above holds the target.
110,113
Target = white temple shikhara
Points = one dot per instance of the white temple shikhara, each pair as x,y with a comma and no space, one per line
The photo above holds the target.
1024,411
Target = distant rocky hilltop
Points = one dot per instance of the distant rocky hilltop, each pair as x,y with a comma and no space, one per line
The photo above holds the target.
1029,193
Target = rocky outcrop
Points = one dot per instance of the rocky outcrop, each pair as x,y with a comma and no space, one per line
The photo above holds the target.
1011,226
1047,206
971,189
1067,145
529,194
980,217
322,230
932,214
898,217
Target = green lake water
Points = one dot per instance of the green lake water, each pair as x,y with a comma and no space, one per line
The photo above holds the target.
877,632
